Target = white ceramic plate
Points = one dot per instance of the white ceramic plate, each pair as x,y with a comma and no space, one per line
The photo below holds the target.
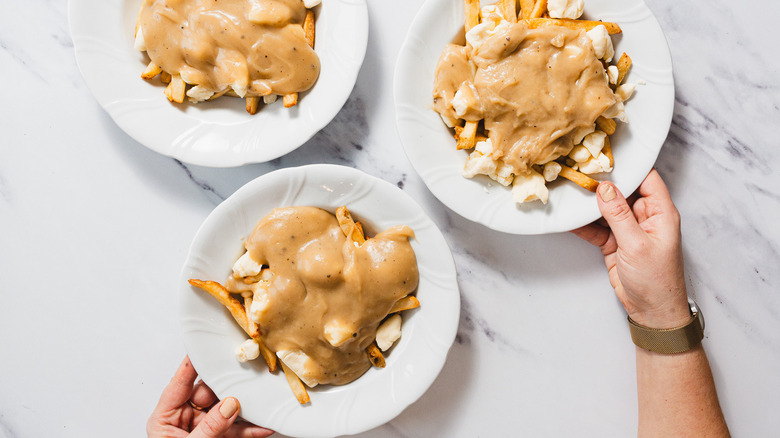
211,335
431,148
219,133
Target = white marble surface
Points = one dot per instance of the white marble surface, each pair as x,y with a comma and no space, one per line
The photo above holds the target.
94,228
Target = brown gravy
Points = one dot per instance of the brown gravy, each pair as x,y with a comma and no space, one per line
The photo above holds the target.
252,47
323,280
535,88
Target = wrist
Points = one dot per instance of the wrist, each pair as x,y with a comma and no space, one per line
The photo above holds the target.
674,314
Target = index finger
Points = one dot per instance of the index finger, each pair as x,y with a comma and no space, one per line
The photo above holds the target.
179,389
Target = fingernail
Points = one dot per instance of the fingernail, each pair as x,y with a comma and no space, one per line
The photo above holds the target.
229,407
606,192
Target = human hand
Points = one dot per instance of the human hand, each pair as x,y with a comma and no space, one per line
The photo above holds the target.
642,249
184,408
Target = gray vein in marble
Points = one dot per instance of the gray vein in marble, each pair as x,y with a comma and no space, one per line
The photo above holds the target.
203,185
21,58
686,126
469,322
5,429
338,142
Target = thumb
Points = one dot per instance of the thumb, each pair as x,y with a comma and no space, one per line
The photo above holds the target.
618,214
218,419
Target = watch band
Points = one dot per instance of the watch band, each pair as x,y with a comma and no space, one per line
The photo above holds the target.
669,341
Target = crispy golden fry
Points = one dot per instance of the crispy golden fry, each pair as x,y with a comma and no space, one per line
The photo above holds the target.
526,8
252,279
239,314
623,64
539,9
251,104
607,150
308,27
165,77
254,331
477,138
472,13
296,385
348,226
508,10
606,125
375,355
534,23
176,89
578,178
405,303
290,100
268,355
359,226
222,295
216,95
467,137
151,70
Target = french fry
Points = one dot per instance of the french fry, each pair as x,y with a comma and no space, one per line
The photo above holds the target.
405,303
254,331
508,10
578,178
165,77
375,356
359,226
151,70
175,90
239,313
539,9
477,138
268,355
251,104
606,125
472,13
526,8
222,295
348,226
290,100
296,385
607,150
534,23
623,64
308,27
467,137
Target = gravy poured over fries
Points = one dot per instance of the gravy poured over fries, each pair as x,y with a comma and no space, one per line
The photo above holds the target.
533,96
250,49
319,295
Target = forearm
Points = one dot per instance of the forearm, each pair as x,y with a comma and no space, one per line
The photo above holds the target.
677,395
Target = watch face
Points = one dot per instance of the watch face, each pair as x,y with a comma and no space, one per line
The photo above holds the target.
695,309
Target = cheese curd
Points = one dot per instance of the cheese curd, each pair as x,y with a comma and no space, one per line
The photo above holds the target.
551,171
301,364
612,74
565,8
388,332
597,164
625,91
602,43
529,187
594,143
245,266
248,350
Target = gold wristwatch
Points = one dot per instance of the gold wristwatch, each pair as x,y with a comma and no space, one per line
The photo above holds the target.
673,340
